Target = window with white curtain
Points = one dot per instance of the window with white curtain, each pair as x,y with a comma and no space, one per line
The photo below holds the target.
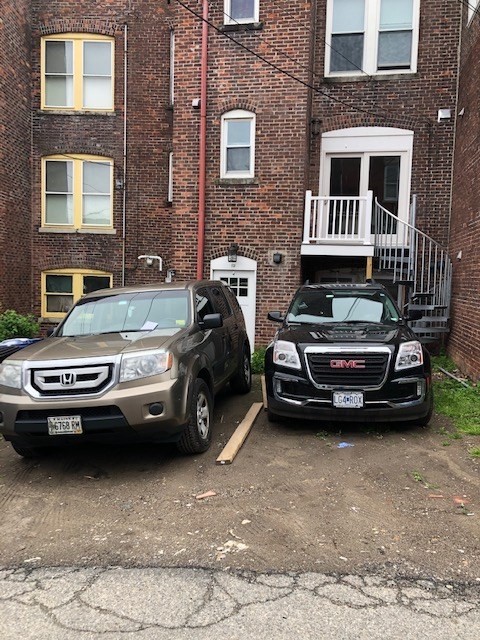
241,11
238,144
77,72
371,36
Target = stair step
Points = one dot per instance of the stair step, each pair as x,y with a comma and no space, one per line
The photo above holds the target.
408,283
427,307
420,330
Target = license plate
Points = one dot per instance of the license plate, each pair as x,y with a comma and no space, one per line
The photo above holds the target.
348,399
64,425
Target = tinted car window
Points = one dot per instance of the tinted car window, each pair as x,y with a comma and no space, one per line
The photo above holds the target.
203,304
220,302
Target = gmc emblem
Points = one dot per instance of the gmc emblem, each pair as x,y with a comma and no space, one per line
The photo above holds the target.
347,364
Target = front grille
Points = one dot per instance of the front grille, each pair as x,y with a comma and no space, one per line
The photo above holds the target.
337,369
71,381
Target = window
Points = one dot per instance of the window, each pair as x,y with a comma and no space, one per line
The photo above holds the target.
77,192
170,178
172,67
472,7
238,144
203,305
62,288
241,11
77,72
371,36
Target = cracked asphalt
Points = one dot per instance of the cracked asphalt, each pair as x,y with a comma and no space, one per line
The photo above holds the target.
148,603
298,538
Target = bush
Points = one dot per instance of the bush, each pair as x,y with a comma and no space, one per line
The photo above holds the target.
16,325
258,360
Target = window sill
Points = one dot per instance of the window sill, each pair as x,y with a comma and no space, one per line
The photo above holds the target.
109,232
50,320
71,112
243,26
407,75
227,182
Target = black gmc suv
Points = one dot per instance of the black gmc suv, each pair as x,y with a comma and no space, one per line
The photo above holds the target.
345,352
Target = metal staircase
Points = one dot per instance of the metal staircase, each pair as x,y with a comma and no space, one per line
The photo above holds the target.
420,268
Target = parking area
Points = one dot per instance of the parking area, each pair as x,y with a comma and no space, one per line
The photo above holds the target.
297,497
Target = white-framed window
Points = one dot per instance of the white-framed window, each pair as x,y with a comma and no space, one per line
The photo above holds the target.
77,191
238,144
77,72
371,37
472,8
61,288
241,11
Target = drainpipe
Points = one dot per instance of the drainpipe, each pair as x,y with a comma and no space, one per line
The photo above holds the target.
124,196
203,144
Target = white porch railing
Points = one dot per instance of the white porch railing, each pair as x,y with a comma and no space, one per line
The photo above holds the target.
338,220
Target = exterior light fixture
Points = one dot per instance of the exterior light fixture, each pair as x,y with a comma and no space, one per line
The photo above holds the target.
277,258
149,260
233,252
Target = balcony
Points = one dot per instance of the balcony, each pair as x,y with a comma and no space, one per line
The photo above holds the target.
338,226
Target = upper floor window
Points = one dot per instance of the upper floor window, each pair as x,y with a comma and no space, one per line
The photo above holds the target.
77,192
371,36
243,11
238,144
77,72
472,7
172,67
61,288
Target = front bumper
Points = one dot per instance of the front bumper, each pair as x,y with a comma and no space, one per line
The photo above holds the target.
121,414
403,399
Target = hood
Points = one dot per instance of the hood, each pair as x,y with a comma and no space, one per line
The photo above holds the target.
94,346
345,333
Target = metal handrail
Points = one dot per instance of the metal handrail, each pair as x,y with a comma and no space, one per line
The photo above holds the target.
415,258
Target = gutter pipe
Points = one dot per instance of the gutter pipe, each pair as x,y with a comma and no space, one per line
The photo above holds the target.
203,143
124,190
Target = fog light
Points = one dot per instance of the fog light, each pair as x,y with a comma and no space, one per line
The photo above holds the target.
156,408
420,387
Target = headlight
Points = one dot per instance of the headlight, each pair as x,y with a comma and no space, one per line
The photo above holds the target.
11,374
143,365
409,355
285,354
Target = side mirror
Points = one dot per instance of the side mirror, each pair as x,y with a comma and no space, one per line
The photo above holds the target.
275,316
415,314
211,321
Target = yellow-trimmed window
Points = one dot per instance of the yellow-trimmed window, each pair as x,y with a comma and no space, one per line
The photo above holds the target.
61,288
77,191
77,72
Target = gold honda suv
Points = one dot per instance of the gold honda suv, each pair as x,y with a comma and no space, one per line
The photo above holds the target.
128,364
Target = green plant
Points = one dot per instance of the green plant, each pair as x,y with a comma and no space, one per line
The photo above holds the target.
16,325
258,360
444,362
460,404
475,452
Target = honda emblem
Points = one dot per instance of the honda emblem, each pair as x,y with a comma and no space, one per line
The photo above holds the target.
68,379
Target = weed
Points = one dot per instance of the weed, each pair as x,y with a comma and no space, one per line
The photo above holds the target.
446,443
460,404
475,452
258,360
417,476
444,362
323,435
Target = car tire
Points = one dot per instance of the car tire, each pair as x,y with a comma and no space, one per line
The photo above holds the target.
28,452
197,435
242,380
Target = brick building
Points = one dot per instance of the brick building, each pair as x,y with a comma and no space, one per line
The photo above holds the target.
464,340
306,112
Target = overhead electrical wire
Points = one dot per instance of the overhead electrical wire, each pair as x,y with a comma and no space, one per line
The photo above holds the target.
291,75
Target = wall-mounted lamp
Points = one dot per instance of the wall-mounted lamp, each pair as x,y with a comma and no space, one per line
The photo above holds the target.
149,260
233,252
170,275
277,258
316,126
119,183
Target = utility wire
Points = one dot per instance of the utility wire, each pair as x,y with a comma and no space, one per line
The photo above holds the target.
284,71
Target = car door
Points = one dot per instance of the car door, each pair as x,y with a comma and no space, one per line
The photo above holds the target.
231,327
215,342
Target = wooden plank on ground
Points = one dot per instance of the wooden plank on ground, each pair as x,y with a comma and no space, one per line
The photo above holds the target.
238,438
264,393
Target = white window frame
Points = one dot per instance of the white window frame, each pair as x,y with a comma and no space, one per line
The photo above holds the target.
170,178
172,67
228,19
371,40
472,9
237,114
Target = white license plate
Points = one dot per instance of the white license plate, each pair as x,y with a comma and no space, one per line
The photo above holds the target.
63,425
348,399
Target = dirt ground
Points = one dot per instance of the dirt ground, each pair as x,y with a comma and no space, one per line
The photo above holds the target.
397,502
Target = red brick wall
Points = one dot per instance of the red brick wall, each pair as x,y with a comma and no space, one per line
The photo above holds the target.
149,119
464,341
15,227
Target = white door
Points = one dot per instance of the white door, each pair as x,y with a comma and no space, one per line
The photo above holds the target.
241,277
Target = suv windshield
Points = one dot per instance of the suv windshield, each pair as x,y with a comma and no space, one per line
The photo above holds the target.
322,306
144,311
